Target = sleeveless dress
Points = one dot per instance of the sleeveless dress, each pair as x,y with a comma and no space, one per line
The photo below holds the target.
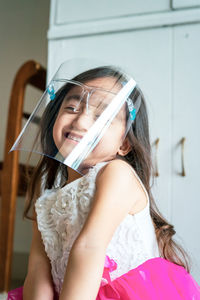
133,268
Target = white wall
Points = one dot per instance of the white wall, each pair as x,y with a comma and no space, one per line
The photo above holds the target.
23,31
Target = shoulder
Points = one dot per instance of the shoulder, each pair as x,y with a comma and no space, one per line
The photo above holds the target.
119,177
117,169
118,180
115,195
118,174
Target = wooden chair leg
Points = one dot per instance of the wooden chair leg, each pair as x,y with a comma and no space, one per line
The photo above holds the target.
8,208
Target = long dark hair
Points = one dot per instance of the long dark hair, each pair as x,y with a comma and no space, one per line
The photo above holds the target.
140,158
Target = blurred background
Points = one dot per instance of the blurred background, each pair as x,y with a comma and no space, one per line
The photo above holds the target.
23,34
158,42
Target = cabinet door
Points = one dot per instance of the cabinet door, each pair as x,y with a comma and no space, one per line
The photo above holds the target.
65,12
186,123
185,3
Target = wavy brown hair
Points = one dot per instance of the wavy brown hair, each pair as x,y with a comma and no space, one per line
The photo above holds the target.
140,158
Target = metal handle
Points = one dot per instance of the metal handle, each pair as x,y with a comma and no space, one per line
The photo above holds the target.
156,159
182,156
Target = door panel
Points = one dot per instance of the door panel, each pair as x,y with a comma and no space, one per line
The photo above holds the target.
186,123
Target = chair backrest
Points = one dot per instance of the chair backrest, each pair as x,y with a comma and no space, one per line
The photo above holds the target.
34,74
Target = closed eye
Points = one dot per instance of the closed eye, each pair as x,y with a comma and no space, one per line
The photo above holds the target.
71,108
71,103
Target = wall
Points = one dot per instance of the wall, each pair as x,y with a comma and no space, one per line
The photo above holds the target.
23,30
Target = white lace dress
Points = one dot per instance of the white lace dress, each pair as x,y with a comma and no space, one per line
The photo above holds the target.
61,214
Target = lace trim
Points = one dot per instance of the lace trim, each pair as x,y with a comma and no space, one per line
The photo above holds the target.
61,214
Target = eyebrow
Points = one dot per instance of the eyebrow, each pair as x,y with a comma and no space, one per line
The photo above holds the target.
74,97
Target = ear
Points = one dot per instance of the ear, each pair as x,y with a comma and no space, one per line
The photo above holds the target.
124,148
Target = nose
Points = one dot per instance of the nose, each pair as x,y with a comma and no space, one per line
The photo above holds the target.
83,121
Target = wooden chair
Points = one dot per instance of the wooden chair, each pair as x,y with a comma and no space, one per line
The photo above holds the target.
12,174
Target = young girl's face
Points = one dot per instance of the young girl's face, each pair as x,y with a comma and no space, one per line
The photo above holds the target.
70,126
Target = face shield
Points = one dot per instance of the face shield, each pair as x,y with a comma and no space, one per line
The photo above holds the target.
83,116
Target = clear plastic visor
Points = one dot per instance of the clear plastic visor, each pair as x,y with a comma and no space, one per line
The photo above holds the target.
81,123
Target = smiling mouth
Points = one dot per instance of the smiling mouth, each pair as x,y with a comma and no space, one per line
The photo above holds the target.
73,137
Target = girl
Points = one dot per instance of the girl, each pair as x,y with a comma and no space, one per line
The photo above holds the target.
97,233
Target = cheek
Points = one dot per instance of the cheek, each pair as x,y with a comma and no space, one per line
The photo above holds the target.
61,122
115,133
57,130
112,139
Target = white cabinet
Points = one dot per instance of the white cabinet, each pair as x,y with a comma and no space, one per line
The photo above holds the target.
177,4
87,10
165,61
185,196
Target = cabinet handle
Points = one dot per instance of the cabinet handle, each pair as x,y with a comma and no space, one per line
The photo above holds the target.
182,156
156,160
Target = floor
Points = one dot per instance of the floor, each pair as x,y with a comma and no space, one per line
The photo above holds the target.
3,296
15,283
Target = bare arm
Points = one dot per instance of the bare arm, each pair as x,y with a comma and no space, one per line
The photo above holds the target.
38,282
116,193
83,274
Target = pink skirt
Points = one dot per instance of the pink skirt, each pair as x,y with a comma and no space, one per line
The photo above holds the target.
155,279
